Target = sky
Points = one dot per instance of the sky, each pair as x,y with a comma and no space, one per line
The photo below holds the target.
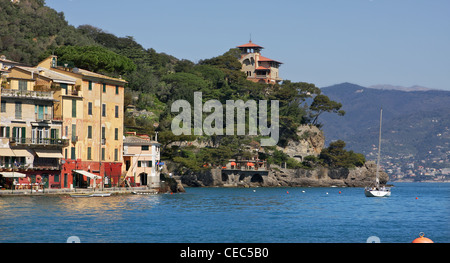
325,42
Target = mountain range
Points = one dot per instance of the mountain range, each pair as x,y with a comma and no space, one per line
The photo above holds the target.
416,121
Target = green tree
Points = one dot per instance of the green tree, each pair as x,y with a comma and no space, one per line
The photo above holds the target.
95,58
321,104
336,156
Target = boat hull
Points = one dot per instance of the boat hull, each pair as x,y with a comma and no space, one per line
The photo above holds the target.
377,193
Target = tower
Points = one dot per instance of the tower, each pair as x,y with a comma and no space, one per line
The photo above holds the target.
257,67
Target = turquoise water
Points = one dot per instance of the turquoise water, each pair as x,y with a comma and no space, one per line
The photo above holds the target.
318,215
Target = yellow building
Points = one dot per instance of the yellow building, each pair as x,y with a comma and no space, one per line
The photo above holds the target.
257,67
92,116
30,132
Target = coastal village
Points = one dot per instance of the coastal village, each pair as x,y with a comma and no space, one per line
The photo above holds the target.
62,129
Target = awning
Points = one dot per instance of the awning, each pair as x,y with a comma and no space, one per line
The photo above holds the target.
49,153
233,163
250,164
6,152
88,174
12,174
21,153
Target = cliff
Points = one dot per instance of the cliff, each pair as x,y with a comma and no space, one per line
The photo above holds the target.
311,142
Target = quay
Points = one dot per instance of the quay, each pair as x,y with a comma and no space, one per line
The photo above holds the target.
50,192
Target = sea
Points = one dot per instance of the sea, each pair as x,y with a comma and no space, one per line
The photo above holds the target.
233,215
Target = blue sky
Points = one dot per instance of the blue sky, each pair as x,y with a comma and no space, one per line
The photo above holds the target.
325,42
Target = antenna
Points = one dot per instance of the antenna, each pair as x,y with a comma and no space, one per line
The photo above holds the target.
250,37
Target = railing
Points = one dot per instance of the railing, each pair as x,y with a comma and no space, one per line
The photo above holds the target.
43,95
43,117
39,142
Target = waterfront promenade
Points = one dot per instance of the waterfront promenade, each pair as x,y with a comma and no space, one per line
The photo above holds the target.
112,190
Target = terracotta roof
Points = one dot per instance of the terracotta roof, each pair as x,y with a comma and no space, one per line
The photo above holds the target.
264,59
262,68
250,45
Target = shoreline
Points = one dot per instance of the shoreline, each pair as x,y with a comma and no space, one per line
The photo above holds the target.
54,192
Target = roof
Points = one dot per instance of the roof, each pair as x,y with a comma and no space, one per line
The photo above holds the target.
134,140
50,74
249,45
262,68
88,73
264,59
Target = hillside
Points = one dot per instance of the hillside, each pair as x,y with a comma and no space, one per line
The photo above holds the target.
31,31
414,122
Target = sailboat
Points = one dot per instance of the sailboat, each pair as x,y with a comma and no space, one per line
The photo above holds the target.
377,190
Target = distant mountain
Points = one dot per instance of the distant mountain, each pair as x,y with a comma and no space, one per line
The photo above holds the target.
414,122
392,87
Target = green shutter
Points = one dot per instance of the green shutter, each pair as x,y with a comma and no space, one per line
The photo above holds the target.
74,108
24,134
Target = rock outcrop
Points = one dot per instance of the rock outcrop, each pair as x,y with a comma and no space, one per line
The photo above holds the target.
277,177
311,142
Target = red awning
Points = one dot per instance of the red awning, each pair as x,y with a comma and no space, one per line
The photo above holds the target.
250,164
233,163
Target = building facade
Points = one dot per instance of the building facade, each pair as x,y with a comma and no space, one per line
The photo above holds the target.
92,116
257,67
29,129
142,161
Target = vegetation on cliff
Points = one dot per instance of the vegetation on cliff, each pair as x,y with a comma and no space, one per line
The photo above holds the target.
32,31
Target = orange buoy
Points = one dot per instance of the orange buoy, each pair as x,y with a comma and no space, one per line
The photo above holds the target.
422,239
287,192
339,191
417,198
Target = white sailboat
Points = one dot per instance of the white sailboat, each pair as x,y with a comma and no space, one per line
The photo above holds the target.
377,191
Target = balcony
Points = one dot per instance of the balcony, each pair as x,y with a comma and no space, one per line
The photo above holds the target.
38,142
43,117
27,94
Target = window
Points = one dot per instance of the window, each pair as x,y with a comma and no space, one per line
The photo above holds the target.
89,108
3,108
116,155
103,132
74,108
90,85
144,164
116,134
89,132
72,153
65,153
4,132
89,152
56,178
64,87
22,85
74,132
104,110
117,90
116,111
104,87
18,110
144,147
103,154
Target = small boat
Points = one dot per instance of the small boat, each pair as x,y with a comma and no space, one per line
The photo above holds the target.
90,194
100,194
377,190
81,195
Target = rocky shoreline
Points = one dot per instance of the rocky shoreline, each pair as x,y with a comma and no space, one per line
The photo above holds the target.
277,177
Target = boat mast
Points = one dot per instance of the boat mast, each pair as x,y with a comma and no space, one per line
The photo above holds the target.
379,150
